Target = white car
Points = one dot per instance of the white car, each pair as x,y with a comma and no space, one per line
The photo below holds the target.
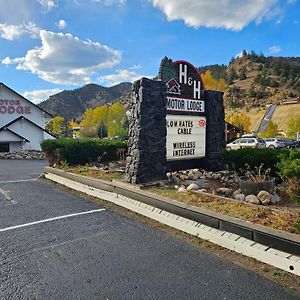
246,143
274,143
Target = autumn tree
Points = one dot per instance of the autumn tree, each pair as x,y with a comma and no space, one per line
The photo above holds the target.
293,127
87,118
115,120
270,131
239,119
100,114
56,125
213,84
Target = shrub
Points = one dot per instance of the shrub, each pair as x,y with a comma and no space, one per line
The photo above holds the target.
236,160
289,170
80,151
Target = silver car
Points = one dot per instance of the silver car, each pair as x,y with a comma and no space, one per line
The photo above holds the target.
246,143
274,143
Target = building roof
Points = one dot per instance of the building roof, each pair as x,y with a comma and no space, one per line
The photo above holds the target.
2,84
24,118
14,133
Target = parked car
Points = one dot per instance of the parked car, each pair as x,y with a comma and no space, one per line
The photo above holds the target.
246,143
289,144
274,143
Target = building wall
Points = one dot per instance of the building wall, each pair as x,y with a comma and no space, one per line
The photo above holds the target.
30,111
15,146
34,134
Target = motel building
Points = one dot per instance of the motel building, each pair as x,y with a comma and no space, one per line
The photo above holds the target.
22,123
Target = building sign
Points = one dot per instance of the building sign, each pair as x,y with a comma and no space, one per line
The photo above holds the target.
186,121
185,137
13,107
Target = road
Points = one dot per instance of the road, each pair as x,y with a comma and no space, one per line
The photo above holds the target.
101,254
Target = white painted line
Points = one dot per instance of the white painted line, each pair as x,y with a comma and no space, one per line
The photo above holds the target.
21,180
51,219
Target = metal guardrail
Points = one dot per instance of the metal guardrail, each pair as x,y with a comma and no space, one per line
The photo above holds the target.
269,237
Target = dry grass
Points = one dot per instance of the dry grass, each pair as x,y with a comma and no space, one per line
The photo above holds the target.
282,114
94,173
257,214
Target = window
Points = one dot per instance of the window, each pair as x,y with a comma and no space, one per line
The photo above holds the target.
4,147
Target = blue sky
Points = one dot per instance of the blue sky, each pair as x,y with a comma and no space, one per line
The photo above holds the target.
50,45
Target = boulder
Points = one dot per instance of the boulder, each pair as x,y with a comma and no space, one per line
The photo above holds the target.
224,191
275,198
237,192
252,199
264,197
239,197
192,187
182,190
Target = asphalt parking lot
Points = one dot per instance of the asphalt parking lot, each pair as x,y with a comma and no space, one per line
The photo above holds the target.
57,245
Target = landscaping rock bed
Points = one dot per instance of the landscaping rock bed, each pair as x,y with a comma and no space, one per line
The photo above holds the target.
23,155
223,183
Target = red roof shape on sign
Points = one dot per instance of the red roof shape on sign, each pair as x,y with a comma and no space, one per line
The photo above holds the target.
173,87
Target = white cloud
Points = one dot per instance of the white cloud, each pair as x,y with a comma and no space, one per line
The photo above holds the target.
48,4
111,2
229,14
38,96
13,32
66,59
274,49
61,24
120,76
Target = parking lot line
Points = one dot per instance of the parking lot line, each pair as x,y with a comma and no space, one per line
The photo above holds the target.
51,219
20,180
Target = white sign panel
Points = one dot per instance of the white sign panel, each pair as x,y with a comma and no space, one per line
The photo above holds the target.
185,105
185,137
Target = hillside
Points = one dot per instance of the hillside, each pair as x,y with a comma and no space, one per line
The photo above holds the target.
280,116
72,104
255,81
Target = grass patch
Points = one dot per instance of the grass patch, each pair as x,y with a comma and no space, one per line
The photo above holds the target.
99,174
259,215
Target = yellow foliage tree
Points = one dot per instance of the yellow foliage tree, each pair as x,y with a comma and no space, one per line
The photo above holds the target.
55,125
115,119
271,130
73,124
239,119
293,127
213,84
100,114
87,118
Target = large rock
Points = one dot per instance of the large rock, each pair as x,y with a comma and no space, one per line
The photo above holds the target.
227,192
201,183
182,189
264,197
275,198
239,197
193,187
252,199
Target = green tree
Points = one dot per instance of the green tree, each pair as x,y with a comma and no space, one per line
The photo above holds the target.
102,130
243,74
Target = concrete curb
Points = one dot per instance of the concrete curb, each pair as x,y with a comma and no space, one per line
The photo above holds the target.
249,239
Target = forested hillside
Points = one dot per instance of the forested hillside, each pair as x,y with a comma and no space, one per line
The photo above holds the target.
72,104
